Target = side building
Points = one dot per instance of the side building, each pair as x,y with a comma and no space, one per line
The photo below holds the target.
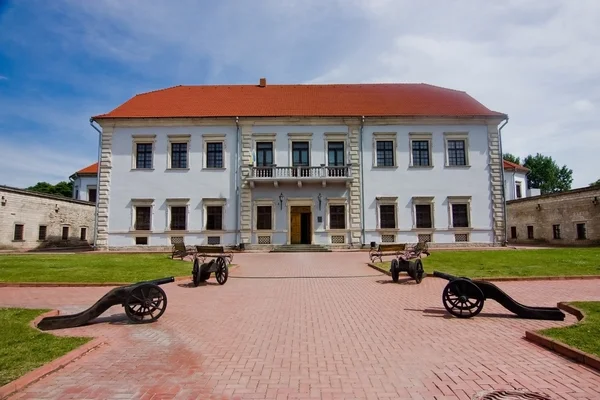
570,218
335,165
31,220
85,182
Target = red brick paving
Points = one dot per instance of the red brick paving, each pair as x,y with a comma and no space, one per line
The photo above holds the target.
320,326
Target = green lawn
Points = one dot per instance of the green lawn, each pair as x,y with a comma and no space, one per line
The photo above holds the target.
584,335
23,348
90,267
511,263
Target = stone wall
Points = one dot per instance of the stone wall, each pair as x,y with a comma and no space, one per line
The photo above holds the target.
32,210
565,209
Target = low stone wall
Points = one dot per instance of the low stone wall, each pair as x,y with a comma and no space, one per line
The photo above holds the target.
34,210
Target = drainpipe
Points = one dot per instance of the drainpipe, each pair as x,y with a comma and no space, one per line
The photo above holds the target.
362,181
237,181
97,182
503,184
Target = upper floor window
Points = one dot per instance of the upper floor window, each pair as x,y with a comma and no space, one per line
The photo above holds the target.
264,154
335,153
92,194
420,153
143,155
385,153
518,190
457,152
214,155
300,156
179,153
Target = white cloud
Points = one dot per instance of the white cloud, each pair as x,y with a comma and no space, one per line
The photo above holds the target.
2,77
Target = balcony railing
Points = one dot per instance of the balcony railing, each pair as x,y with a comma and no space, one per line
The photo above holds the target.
299,174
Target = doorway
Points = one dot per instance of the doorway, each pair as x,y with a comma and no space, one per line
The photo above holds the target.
300,225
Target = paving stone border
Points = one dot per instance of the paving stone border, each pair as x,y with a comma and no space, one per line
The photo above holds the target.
54,365
561,348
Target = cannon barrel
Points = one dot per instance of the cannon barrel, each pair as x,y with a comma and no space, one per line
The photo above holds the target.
161,281
443,275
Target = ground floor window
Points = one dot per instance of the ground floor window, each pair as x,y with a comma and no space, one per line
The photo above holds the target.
387,216
83,234
529,232
337,217
214,218
513,232
178,214
142,218
65,233
423,214
556,231
19,228
42,232
581,234
263,218
141,240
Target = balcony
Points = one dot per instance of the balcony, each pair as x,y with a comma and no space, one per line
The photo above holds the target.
299,175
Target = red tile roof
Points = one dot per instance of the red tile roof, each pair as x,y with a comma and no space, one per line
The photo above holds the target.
512,165
90,169
383,100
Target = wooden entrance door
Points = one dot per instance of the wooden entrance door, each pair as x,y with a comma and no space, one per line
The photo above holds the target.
300,228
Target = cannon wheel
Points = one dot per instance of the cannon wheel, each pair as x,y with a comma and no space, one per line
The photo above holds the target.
462,298
222,271
145,303
419,270
394,269
196,272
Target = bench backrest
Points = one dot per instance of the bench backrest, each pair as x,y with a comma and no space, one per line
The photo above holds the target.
210,249
392,247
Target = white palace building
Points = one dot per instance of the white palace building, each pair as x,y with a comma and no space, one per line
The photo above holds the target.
266,165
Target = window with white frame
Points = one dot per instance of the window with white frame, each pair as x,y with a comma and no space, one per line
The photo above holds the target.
519,191
457,149
141,214
178,214
143,151
178,152
387,215
459,210
420,150
214,151
264,217
423,212
214,214
384,149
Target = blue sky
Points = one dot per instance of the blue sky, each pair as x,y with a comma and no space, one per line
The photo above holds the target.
63,61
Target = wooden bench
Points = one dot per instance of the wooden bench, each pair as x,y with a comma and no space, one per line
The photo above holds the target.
204,251
180,249
391,249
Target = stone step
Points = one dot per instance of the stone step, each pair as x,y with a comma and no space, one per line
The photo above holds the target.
300,248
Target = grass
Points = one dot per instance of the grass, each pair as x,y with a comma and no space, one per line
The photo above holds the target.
23,348
585,335
513,263
90,267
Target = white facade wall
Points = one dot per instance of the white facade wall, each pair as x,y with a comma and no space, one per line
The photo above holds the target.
512,178
439,181
82,185
163,186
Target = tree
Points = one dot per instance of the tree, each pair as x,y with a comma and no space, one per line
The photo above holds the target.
511,158
597,183
61,188
546,175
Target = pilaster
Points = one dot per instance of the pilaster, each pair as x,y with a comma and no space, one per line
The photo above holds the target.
245,191
496,183
104,187
355,195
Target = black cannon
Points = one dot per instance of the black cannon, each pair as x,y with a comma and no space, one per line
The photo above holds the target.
464,298
414,268
201,272
143,301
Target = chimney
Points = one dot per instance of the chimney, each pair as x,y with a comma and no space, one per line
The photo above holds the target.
263,82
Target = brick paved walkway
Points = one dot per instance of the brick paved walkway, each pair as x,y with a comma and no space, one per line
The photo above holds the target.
318,326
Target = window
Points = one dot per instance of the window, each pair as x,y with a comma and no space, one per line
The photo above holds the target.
264,158
214,155
42,232
581,231
518,190
178,217
83,234
529,232
513,232
423,215
300,157
456,151
385,153
337,217
335,154
214,218
77,194
65,233
461,237
556,231
141,240
142,218
92,194
19,232
387,214
179,155
263,218
460,216
420,153
213,240
143,155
